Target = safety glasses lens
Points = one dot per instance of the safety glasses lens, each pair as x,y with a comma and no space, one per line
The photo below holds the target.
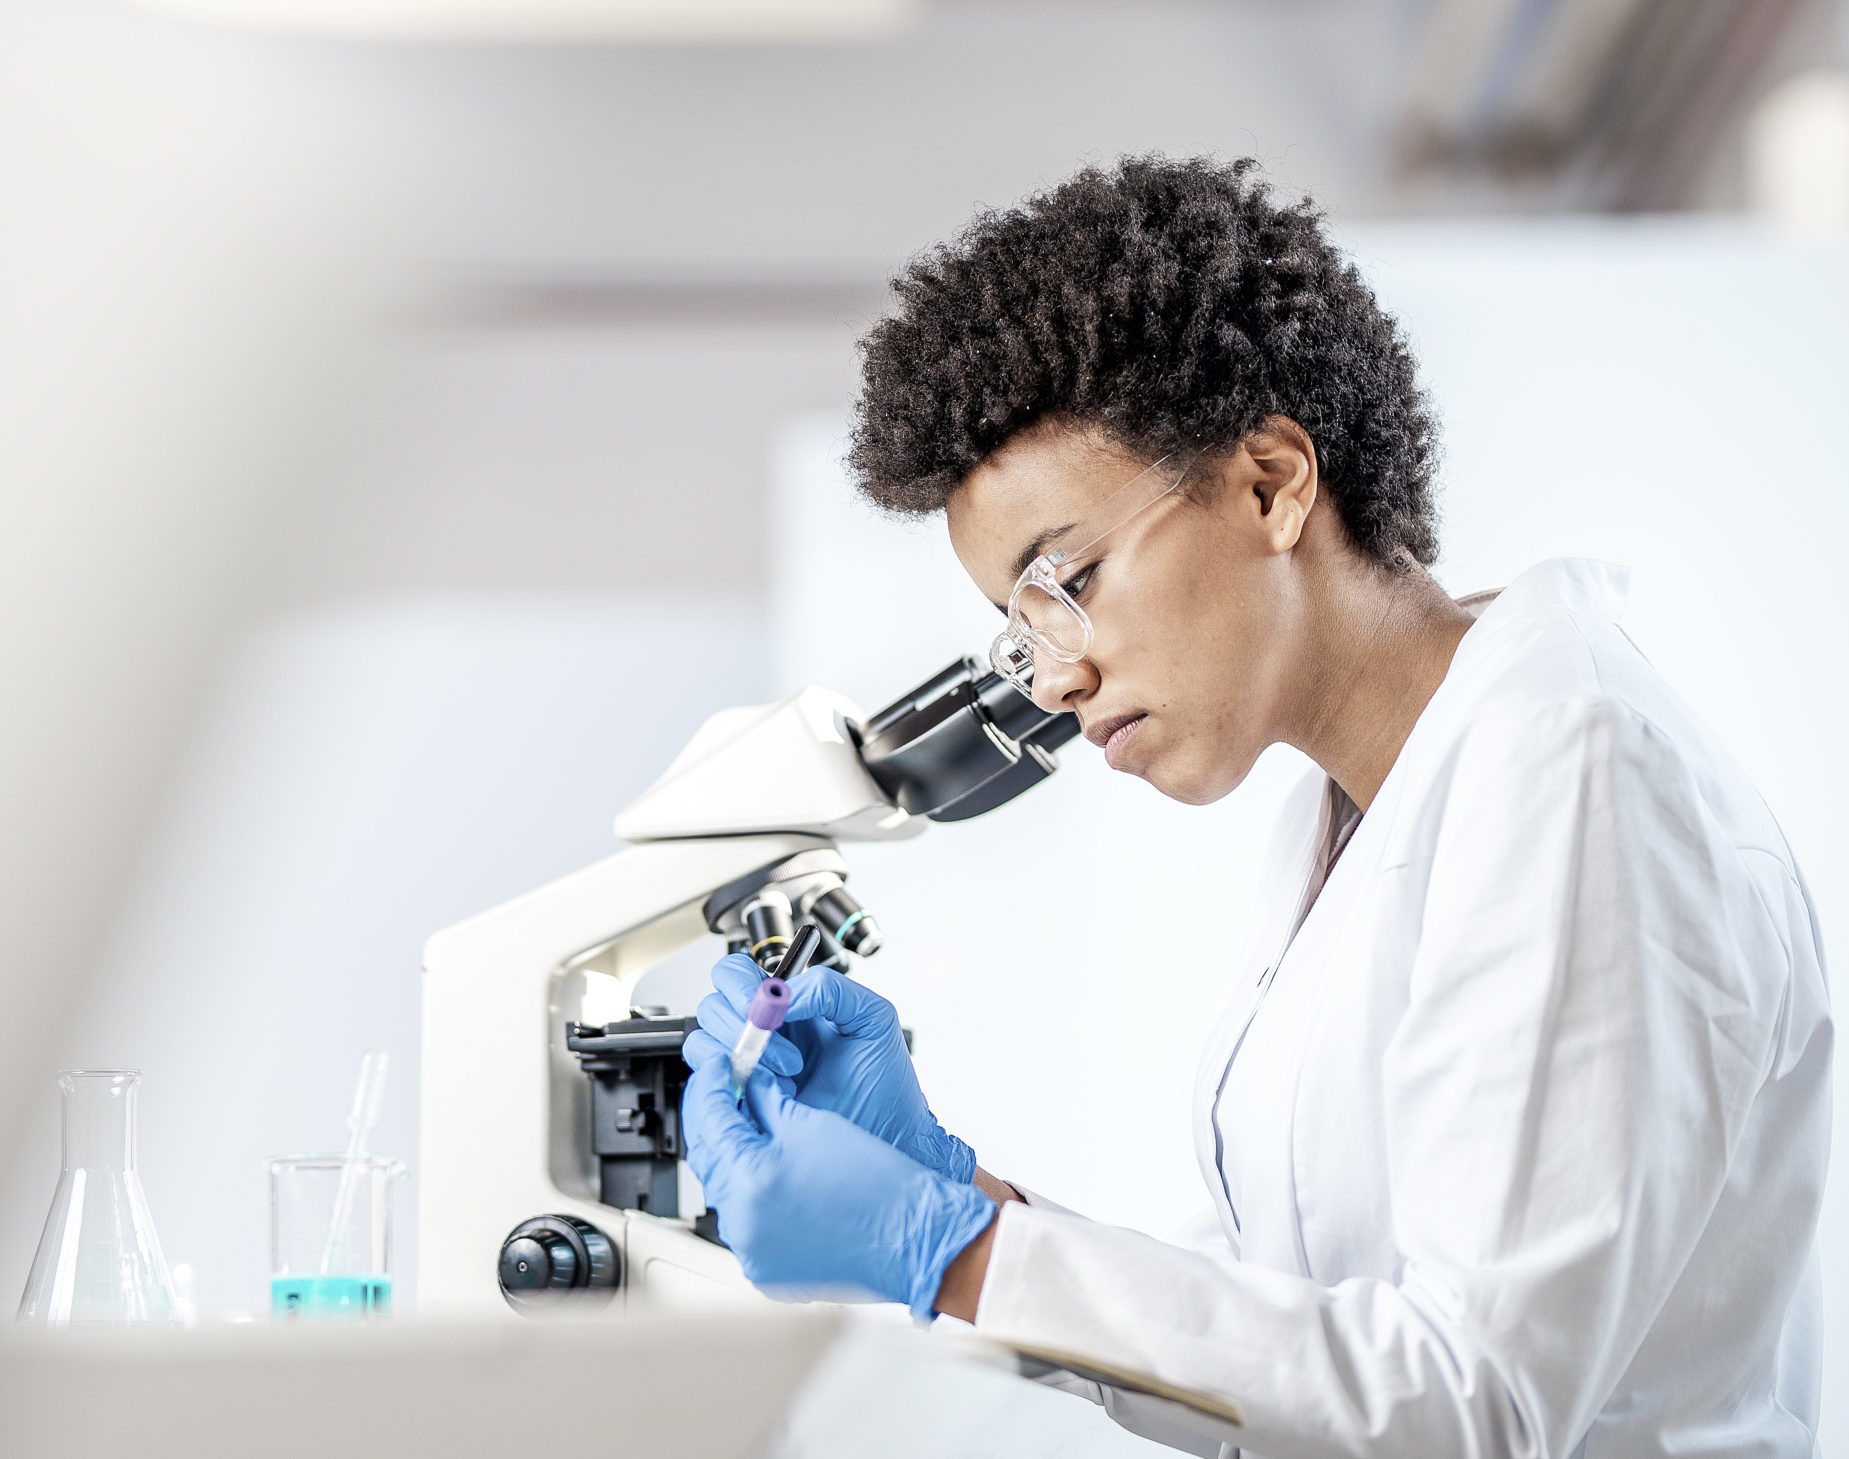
1049,620
1012,662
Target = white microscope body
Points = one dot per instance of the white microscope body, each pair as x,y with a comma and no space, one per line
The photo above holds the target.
759,798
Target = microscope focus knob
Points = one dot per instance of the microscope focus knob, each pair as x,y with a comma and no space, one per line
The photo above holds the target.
554,1258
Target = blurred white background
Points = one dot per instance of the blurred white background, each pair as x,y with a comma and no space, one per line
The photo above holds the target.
405,442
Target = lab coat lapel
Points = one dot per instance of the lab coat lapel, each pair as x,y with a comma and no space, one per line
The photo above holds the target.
1302,827
1324,966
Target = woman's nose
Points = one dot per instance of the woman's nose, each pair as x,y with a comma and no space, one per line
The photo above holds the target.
1055,682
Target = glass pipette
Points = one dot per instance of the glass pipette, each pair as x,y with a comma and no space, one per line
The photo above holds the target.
368,1094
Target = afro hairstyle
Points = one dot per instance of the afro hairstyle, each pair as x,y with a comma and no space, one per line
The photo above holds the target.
1173,305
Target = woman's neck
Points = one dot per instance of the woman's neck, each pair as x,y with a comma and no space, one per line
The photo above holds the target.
1385,644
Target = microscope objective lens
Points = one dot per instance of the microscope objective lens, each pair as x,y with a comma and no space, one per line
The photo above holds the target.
769,925
847,922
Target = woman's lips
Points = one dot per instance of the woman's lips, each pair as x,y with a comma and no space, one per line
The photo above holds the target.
1113,747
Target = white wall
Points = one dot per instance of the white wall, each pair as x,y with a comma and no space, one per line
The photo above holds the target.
1666,396
180,315
807,160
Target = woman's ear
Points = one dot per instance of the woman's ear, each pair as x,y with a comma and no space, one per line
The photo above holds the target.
1280,466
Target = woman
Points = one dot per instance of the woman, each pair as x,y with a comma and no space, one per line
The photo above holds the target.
1517,1120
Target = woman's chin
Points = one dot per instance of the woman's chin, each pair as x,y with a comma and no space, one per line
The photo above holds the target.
1194,784
1183,787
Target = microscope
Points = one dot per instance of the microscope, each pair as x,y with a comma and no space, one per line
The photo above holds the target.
551,1149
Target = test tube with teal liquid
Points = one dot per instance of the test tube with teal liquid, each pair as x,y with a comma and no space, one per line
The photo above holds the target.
331,1252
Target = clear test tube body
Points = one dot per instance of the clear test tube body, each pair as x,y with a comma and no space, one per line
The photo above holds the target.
763,1018
746,1053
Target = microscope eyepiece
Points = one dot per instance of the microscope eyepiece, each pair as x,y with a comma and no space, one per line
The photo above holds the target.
961,743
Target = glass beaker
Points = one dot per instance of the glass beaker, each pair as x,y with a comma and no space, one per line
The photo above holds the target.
331,1236
99,1261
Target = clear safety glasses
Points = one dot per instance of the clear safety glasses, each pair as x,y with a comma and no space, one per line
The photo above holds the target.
1043,617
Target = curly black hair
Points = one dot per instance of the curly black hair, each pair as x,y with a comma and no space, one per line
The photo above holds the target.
1171,304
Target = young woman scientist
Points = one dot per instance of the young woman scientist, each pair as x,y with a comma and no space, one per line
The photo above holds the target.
1516,1121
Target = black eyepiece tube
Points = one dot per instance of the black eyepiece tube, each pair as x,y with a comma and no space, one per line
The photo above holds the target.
961,743
1010,711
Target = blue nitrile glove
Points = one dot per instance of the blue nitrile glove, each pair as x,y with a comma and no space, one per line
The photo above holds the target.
813,1205
843,1050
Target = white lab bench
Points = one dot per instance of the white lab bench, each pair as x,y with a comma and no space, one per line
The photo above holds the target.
803,1382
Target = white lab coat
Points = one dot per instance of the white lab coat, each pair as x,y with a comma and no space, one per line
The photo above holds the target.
1516,1144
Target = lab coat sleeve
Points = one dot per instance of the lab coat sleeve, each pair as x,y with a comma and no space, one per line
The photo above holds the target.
1590,1015
1038,1201
1147,1418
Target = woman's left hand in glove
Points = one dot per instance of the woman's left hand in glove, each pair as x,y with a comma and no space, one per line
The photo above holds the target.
810,1203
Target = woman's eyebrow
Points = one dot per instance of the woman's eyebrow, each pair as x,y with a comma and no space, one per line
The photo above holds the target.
1028,553
1038,546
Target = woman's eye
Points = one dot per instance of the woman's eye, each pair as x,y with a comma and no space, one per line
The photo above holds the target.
1076,584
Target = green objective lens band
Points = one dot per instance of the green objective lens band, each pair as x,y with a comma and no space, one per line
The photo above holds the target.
841,931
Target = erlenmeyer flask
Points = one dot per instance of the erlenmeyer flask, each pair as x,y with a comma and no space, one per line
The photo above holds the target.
99,1261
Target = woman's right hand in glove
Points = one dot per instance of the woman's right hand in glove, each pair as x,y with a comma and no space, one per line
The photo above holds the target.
842,1050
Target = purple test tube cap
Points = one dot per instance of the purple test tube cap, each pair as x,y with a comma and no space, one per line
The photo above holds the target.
768,1005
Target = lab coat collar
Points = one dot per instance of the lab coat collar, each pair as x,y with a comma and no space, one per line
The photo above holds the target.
1578,584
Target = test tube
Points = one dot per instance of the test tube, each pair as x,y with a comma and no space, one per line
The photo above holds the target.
762,1019
764,1014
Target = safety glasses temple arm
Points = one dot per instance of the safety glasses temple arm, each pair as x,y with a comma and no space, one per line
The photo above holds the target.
1142,491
